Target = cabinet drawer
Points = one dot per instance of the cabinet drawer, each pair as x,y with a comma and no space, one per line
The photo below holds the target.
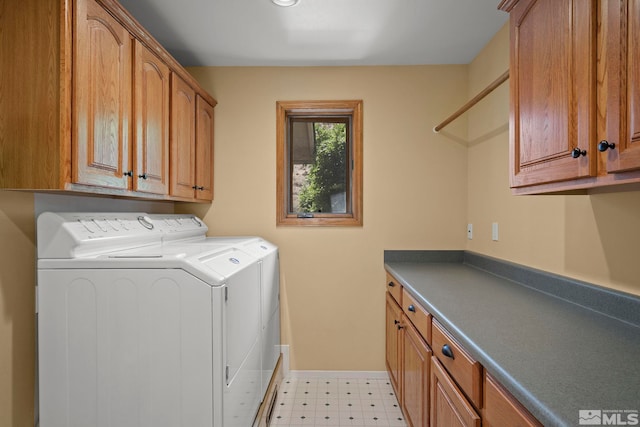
465,371
420,318
395,288
502,409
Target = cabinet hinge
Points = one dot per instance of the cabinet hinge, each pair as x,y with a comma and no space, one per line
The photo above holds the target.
226,374
226,294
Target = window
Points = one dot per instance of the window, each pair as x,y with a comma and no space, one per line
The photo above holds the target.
319,165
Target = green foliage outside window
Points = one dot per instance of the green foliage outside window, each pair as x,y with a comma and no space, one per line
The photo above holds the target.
328,174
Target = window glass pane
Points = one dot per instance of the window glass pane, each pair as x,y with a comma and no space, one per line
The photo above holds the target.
319,165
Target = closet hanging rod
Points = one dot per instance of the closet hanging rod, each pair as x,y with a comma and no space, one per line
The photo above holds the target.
497,82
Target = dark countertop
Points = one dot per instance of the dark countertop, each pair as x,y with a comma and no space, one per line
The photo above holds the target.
555,356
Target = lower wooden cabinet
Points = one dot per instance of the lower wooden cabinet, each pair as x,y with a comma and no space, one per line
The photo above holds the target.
393,333
416,356
449,407
502,409
446,386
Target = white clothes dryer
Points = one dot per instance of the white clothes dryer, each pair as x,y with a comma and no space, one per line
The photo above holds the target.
268,255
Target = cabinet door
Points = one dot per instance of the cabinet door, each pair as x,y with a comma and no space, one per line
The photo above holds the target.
449,407
622,20
393,343
204,149
552,90
151,130
183,138
102,98
502,409
415,377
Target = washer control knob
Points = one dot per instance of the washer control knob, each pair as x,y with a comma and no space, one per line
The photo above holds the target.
146,222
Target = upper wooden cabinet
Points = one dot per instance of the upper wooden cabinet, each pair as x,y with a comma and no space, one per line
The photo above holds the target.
85,103
574,82
151,131
102,98
621,41
183,138
204,149
191,143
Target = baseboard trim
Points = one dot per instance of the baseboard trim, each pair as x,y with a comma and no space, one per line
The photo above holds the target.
339,374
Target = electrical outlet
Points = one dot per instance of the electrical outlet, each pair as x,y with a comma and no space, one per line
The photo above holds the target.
470,231
494,231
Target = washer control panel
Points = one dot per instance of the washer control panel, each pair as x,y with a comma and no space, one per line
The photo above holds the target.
77,234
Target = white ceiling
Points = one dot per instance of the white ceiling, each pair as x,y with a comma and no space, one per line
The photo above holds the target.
320,32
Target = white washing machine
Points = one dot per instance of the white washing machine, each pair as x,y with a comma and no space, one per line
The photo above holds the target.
141,325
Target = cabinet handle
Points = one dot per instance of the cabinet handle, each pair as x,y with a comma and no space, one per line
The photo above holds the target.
446,350
576,153
400,326
201,188
396,321
391,284
605,145
143,176
411,308
196,187
128,173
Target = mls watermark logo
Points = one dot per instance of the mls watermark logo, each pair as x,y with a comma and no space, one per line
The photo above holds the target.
602,417
590,417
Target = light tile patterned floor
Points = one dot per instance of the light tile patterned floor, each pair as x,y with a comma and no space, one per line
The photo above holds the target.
337,402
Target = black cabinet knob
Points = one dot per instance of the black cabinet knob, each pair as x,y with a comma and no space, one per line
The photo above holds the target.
446,350
605,145
400,326
143,176
396,321
411,308
128,173
391,284
576,153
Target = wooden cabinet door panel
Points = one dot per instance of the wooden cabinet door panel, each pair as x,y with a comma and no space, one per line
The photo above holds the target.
502,409
183,128
415,377
151,154
623,85
552,90
393,343
102,95
449,408
204,149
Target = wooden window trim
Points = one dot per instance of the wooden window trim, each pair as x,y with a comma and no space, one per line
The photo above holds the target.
320,108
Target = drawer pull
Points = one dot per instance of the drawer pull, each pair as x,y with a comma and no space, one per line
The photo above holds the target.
391,284
446,350
411,308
